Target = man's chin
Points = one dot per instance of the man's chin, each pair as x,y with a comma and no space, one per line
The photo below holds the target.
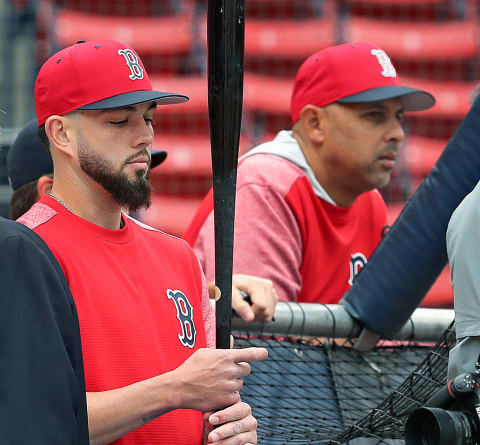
133,194
145,205
134,172
383,183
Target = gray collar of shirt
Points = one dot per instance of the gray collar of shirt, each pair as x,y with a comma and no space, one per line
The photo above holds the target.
286,146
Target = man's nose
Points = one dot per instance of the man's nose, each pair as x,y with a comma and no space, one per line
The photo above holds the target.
143,135
396,132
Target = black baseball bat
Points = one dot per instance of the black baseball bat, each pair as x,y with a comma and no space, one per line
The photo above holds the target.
226,36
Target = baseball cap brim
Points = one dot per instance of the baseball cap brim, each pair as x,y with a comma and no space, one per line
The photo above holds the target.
135,97
412,99
158,156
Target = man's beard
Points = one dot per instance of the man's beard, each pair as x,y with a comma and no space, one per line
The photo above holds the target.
129,193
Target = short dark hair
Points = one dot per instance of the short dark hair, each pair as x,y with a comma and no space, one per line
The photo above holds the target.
23,198
42,135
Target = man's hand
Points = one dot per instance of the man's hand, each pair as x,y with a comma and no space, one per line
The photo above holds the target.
213,291
210,379
262,294
232,425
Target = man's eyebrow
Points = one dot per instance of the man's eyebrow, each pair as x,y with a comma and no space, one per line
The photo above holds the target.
153,106
376,105
381,107
126,108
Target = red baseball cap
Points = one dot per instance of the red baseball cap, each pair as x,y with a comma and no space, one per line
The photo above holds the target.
94,75
356,72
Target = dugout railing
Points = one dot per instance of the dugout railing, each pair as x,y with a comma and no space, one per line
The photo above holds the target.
316,388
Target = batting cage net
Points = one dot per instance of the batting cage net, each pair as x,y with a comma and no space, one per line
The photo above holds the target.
320,390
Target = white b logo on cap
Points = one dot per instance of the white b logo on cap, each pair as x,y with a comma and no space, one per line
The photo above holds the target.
132,62
385,62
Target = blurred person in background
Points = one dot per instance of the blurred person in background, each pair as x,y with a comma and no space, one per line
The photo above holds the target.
308,212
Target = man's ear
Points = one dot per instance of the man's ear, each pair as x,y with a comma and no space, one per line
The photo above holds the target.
312,120
59,132
44,185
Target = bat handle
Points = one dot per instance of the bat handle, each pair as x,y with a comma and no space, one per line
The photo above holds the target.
248,299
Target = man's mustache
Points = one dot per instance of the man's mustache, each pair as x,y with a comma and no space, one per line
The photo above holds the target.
392,147
142,152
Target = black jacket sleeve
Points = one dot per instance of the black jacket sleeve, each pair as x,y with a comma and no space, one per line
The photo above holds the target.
42,388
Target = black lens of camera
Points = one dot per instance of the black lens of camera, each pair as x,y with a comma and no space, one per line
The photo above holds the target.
435,426
430,431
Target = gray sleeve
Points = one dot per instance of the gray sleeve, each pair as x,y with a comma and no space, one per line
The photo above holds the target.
463,356
463,247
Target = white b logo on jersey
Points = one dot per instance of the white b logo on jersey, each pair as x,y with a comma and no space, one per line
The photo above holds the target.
357,263
185,317
132,62
385,62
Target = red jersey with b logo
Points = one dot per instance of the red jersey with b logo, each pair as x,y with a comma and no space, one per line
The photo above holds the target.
287,229
141,305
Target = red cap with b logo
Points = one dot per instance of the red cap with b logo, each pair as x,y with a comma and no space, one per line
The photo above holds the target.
94,75
355,72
